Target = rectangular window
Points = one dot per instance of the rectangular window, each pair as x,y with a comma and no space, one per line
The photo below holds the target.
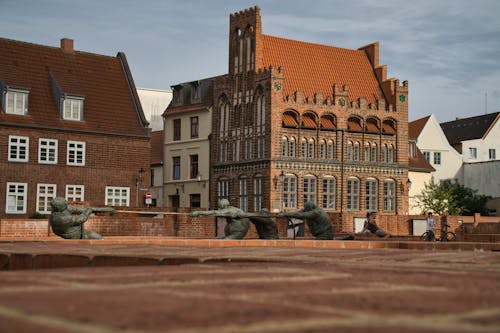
16,102
492,154
44,195
257,194
473,152
76,153
310,189
47,151
18,148
244,194
329,193
16,198
117,196
176,168
177,129
437,158
371,195
389,196
194,127
73,109
195,200
193,171
223,189
75,193
427,156
290,192
353,194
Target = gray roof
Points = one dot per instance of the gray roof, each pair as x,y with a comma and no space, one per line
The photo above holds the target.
471,128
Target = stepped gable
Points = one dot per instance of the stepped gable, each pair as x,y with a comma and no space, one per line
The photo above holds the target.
470,128
315,68
105,82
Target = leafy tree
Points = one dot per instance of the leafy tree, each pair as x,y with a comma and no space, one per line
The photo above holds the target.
449,198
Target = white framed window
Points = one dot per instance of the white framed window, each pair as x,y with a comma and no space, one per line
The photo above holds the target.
76,153
290,191
371,194
223,189
492,154
389,195
309,189
374,152
353,194
472,152
75,193
16,198
356,151
117,196
349,151
16,102
437,158
329,149
18,148
367,152
284,146
44,195
390,154
310,148
292,147
303,150
47,151
427,156
322,149
329,187
257,193
73,108
244,194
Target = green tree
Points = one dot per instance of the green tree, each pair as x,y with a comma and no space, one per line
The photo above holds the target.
447,198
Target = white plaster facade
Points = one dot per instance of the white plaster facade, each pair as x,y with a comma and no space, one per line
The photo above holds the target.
442,156
154,102
483,147
418,181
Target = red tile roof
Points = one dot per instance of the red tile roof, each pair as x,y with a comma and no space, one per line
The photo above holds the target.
415,127
314,68
157,147
419,163
327,122
109,104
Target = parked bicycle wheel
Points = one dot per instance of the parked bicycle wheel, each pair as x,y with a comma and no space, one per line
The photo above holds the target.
426,236
450,236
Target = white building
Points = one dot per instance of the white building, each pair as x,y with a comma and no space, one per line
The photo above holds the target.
154,102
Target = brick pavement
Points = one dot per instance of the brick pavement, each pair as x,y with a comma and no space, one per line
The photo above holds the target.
249,289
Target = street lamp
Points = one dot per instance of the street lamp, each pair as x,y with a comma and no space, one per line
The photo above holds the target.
137,182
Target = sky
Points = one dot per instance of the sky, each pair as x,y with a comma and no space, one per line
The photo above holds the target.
448,50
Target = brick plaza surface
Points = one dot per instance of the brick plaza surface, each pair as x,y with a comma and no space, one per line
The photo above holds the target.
145,287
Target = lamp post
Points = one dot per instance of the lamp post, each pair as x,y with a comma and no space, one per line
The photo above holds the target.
138,180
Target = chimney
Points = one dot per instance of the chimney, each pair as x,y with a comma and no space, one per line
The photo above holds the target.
67,46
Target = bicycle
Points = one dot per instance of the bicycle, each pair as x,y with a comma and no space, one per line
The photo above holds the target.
449,235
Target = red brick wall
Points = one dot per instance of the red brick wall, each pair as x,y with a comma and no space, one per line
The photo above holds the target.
109,161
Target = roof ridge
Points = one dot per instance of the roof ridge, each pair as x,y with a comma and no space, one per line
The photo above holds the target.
491,114
311,43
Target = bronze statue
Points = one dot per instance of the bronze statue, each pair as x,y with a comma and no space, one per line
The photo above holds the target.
266,228
67,221
317,220
236,227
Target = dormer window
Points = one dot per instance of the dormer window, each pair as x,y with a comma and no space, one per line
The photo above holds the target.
73,108
195,92
177,95
16,102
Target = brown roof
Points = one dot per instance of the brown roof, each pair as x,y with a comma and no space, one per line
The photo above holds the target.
415,127
157,147
419,163
314,68
110,104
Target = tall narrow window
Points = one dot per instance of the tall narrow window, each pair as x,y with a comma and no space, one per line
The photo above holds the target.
356,151
350,155
310,148
177,130
16,102
257,193
73,109
16,198
292,147
249,52
75,153
47,151
176,168
322,149
194,127
195,200
427,156
329,186
367,152
18,148
330,150
492,154
290,192
437,158
303,147
224,119
310,189
193,166
389,195
117,196
244,194
353,194
374,153
390,154
223,189
371,195
75,193
44,195
384,153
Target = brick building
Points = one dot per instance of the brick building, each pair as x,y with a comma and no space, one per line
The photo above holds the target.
71,125
295,121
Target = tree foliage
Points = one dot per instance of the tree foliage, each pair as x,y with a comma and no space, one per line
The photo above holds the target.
449,198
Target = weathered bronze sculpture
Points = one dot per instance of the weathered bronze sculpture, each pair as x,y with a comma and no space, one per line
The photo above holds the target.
266,228
67,221
318,221
236,227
